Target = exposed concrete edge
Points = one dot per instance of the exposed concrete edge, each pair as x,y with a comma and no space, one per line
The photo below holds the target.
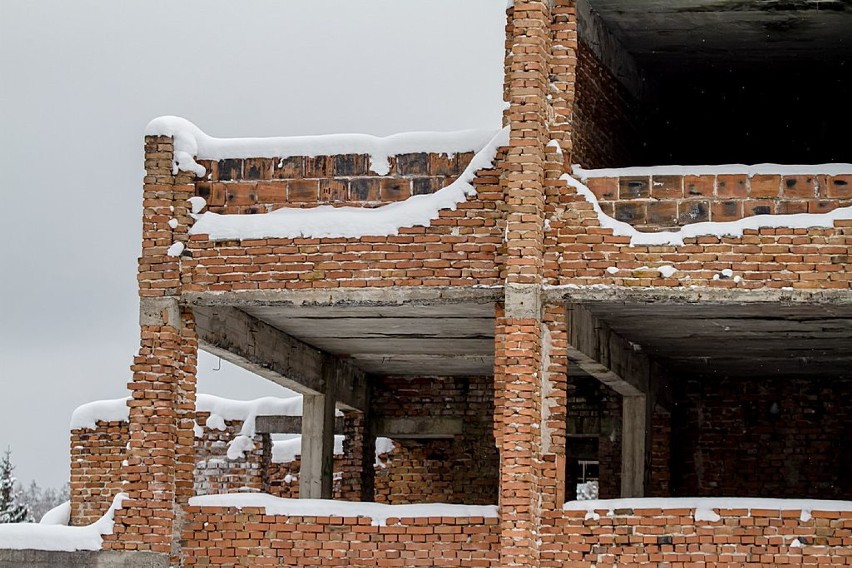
704,295
82,559
159,311
610,51
417,428
384,296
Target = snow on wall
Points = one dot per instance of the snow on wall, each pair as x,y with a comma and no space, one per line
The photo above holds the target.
727,169
57,537
709,228
191,143
706,507
329,221
377,512
87,415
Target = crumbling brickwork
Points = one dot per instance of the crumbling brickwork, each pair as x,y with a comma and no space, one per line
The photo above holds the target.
96,457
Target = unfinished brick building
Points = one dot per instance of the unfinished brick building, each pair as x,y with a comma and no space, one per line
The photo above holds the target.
524,312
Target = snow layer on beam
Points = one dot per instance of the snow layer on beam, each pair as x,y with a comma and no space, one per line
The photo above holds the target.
378,512
35,536
191,144
285,451
709,228
726,169
328,221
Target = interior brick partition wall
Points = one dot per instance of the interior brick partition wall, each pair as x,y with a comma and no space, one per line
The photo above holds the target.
96,456
607,118
462,470
248,537
669,201
672,537
770,437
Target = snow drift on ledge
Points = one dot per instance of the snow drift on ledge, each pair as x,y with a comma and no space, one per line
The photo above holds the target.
708,228
37,536
191,143
329,221
379,513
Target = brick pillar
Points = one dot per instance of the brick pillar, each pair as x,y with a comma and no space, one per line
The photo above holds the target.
158,476
358,464
519,324
563,66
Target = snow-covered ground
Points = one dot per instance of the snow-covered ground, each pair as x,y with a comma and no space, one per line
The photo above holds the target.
53,534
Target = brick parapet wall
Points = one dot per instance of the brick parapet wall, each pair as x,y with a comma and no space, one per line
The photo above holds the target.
260,185
459,248
96,459
664,537
658,202
249,537
579,252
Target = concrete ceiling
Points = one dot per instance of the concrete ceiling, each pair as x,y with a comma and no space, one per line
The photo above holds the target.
753,340
663,33
440,339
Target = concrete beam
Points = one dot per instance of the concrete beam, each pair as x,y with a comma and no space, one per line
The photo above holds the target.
706,296
414,428
407,295
287,425
264,350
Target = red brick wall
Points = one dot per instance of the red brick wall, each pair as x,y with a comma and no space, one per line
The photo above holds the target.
579,252
96,457
729,439
248,537
460,248
259,185
461,470
669,201
607,123
672,537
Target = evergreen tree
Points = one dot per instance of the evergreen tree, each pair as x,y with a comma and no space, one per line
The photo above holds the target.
10,510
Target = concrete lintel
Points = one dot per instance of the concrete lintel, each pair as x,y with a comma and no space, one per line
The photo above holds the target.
390,296
706,296
269,352
427,427
159,311
523,301
287,424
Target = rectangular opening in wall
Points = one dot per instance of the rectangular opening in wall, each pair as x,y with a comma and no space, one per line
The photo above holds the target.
711,82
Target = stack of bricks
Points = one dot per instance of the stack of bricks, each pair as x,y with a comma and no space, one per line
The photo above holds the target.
672,537
260,185
249,537
662,202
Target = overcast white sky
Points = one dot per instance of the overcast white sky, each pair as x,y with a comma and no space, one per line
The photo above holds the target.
79,81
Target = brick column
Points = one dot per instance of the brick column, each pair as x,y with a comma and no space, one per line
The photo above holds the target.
519,328
158,476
